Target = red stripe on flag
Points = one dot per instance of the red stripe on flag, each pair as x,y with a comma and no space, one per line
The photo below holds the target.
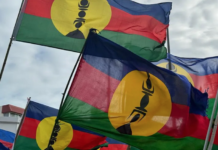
99,87
6,144
29,128
203,83
115,147
39,8
143,25
181,123
198,126
84,140
80,139
216,138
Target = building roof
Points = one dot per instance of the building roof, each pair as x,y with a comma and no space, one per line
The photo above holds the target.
11,108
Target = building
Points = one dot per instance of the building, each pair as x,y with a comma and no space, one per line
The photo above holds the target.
10,117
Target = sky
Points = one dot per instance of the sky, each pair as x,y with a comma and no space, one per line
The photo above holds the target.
42,73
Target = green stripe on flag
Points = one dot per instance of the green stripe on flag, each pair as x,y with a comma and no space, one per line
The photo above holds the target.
139,45
96,120
215,147
24,143
41,31
210,107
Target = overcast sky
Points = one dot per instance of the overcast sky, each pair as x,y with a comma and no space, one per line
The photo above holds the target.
42,73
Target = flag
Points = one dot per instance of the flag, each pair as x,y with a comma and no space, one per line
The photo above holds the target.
124,97
65,24
6,138
38,125
202,73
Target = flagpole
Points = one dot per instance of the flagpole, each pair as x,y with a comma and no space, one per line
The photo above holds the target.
62,100
214,128
68,82
74,68
211,122
10,43
22,119
63,94
65,91
5,59
168,48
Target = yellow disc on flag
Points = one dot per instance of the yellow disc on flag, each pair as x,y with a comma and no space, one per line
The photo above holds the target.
74,18
141,104
177,69
44,131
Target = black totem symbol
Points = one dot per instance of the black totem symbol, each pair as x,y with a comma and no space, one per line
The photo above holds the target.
83,7
141,111
53,139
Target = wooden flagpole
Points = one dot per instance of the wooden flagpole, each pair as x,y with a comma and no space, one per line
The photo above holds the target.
10,43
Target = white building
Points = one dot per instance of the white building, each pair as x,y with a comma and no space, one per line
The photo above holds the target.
10,117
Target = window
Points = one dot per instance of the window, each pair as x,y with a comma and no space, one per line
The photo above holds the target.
6,115
14,114
11,114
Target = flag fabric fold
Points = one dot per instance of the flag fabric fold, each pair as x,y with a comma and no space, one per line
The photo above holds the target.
65,24
37,127
124,97
202,73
